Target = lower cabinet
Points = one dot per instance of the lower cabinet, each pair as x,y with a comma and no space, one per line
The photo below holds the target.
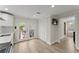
5,48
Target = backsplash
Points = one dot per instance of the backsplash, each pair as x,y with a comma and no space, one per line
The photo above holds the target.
6,29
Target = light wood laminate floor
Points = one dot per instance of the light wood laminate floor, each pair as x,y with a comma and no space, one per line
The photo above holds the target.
38,46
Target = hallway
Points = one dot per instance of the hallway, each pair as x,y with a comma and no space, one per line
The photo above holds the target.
37,46
67,45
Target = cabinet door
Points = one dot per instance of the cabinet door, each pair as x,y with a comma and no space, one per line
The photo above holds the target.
8,20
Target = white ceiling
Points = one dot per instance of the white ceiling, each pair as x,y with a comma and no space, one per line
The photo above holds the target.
45,10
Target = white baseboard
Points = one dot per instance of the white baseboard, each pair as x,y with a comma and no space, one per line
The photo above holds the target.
19,41
76,47
49,43
45,41
24,40
58,40
61,37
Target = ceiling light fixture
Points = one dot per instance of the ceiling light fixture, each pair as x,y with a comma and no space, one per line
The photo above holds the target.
34,15
70,23
52,6
6,8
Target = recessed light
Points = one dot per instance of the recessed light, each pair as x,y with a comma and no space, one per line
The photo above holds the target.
52,6
70,23
6,8
34,15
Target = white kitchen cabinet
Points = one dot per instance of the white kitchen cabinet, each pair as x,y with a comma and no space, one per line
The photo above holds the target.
6,27
8,20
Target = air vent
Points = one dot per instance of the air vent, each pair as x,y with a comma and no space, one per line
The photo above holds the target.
37,12
2,19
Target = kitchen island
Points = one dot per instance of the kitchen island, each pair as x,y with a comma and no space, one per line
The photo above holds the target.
5,43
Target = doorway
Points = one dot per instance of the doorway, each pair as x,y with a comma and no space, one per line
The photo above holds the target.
64,28
22,32
69,28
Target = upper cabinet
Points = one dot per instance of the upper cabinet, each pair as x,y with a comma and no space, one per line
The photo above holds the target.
6,19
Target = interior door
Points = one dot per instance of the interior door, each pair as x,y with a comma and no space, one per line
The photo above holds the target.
64,28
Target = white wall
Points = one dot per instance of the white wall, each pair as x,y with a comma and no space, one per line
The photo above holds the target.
70,27
50,33
77,31
29,23
61,28
45,30
54,33
57,31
